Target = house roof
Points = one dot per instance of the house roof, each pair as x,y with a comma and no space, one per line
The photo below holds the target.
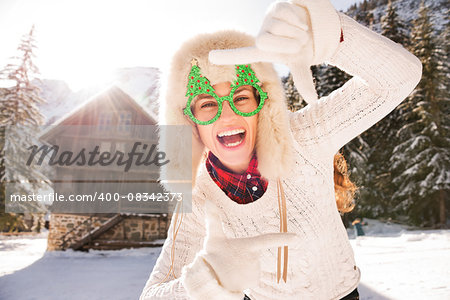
84,107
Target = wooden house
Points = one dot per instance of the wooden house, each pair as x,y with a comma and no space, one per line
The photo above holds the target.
112,121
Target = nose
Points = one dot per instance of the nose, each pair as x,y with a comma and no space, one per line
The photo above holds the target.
227,111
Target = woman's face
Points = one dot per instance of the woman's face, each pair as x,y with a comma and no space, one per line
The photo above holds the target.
232,137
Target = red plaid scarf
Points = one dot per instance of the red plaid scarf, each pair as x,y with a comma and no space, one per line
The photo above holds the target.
241,188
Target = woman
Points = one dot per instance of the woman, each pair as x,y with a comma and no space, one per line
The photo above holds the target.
255,153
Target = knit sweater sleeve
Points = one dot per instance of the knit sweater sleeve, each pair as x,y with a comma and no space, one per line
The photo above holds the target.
384,74
188,242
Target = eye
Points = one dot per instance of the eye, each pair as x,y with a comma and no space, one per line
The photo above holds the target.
208,104
240,99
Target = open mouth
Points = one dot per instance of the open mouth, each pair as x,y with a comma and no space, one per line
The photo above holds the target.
231,138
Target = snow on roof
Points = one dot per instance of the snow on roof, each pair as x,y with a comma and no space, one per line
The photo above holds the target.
49,130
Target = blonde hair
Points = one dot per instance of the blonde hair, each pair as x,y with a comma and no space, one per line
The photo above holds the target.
344,188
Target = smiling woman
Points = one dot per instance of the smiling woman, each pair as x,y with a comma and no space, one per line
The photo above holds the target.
232,137
270,181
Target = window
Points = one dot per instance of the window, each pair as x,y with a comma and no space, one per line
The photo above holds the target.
105,121
124,122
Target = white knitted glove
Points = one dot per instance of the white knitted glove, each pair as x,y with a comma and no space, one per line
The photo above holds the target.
225,267
299,34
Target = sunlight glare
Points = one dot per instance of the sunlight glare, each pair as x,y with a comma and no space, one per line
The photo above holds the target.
87,44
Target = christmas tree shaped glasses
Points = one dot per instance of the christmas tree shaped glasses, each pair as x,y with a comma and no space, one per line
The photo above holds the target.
204,106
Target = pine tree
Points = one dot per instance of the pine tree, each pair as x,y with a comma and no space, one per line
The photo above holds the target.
364,14
421,161
330,79
294,99
21,100
392,26
377,182
19,121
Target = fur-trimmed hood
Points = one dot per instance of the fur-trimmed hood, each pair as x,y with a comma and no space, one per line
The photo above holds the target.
273,142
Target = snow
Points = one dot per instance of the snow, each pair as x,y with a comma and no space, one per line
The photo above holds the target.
408,11
395,262
27,272
18,253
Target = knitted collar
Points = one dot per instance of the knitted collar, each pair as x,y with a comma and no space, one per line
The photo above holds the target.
241,188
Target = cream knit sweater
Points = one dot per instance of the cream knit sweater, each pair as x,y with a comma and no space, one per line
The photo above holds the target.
321,264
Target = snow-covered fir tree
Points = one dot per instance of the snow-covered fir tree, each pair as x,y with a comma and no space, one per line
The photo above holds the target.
329,79
21,98
294,99
364,13
19,119
380,139
421,161
376,185
392,26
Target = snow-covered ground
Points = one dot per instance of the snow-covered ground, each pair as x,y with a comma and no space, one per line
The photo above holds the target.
395,264
400,264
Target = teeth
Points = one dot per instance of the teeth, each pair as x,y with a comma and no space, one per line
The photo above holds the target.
231,132
233,144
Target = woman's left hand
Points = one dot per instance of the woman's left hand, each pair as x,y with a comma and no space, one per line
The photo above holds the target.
298,33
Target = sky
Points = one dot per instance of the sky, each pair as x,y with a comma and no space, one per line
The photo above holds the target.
83,41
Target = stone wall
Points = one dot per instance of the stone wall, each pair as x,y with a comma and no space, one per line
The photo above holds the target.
130,228
137,229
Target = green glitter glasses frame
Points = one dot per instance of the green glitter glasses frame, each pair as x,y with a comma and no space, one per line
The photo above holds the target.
198,85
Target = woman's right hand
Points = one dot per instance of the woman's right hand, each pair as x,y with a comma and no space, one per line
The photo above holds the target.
297,33
234,262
